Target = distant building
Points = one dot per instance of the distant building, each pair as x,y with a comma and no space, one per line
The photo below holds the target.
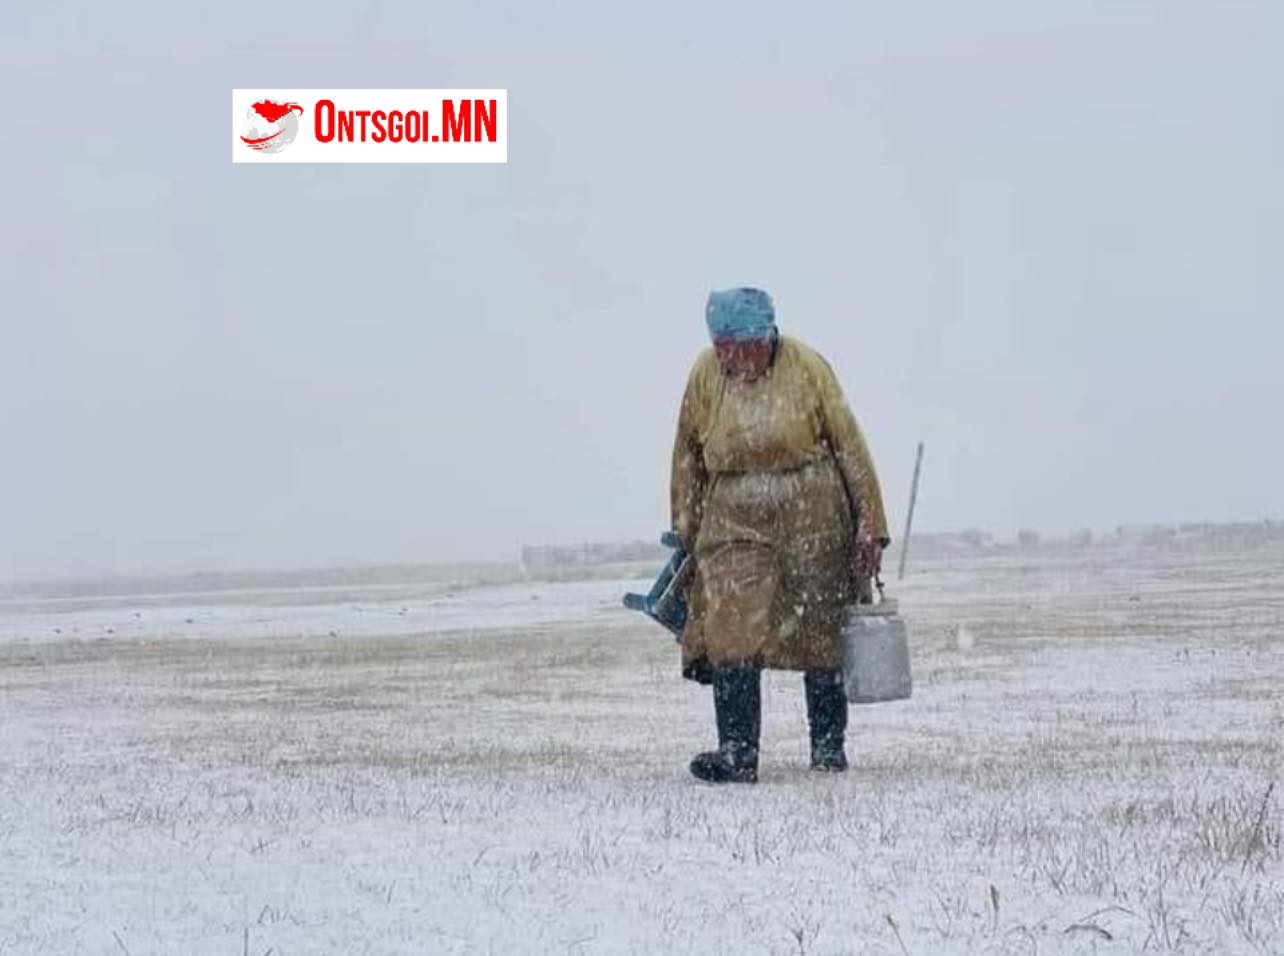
1145,533
548,558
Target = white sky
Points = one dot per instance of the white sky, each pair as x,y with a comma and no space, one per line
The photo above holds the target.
1044,238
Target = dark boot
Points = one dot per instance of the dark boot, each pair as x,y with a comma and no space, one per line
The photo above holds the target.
737,704
827,716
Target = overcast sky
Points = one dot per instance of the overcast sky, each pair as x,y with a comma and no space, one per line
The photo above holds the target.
1046,239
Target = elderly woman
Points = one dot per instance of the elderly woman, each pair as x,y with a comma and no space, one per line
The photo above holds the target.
774,492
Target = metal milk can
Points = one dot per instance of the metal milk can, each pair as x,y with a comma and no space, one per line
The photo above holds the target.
876,665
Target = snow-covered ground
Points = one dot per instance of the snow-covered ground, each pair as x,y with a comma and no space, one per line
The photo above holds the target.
503,770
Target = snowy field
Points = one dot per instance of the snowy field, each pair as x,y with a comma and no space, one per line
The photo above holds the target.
1085,767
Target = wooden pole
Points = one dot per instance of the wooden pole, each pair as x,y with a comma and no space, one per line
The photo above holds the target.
909,518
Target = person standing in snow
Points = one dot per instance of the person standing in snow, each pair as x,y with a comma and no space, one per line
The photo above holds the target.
774,493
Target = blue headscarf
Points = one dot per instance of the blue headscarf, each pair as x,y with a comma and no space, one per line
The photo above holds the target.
740,314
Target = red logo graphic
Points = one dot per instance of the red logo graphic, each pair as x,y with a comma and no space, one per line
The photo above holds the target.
270,126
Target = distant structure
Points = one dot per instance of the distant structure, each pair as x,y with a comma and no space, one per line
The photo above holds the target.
1234,529
593,559
932,544
1229,531
972,538
548,559
1145,533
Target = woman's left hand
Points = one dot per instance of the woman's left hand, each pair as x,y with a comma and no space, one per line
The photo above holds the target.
870,558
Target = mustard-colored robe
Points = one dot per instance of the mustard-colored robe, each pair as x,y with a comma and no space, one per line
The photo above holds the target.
772,486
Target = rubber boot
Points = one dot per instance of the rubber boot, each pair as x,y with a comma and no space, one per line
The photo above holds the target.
737,705
827,717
